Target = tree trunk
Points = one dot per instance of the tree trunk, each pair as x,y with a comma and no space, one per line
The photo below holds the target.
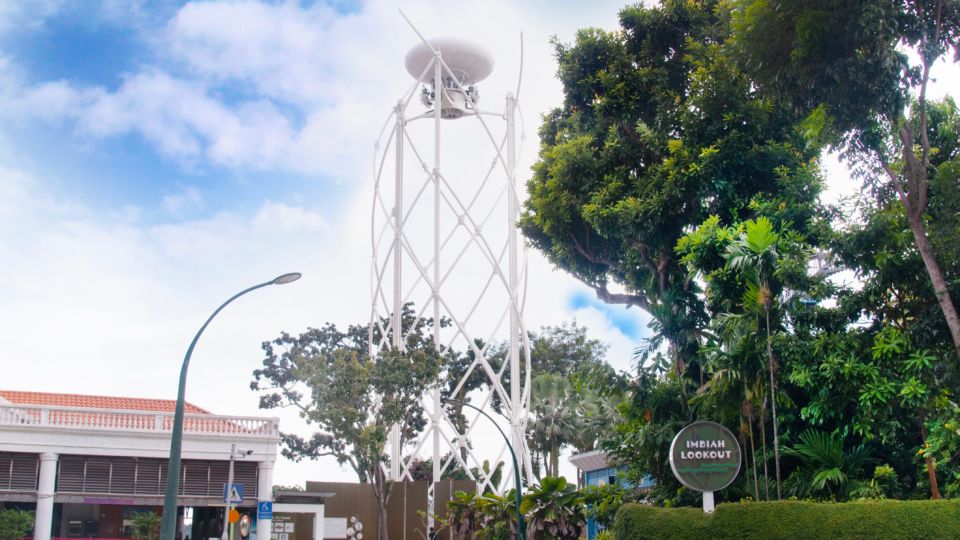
763,442
381,489
382,520
773,403
936,277
912,192
753,452
931,467
913,195
554,458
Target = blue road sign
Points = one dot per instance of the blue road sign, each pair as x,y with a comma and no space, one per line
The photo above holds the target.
233,494
265,510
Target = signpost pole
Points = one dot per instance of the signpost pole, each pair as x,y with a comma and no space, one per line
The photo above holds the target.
227,526
708,502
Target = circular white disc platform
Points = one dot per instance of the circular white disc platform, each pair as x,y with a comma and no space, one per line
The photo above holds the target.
470,62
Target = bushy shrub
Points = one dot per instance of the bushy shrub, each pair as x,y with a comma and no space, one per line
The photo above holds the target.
146,526
788,520
15,523
552,510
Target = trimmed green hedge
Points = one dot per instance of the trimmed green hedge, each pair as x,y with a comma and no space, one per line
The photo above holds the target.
800,520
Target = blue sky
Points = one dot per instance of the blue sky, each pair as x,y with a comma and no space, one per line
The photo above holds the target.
155,157
102,49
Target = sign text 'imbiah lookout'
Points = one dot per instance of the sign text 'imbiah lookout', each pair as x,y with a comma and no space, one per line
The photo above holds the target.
705,456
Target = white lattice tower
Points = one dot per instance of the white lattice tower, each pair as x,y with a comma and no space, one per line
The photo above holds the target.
444,238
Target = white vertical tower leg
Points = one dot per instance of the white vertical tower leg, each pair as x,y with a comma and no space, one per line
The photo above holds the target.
396,442
517,411
437,413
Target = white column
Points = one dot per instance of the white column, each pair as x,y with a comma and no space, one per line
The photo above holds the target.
318,523
45,491
264,493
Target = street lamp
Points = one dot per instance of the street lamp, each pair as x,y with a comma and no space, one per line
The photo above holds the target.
169,524
521,526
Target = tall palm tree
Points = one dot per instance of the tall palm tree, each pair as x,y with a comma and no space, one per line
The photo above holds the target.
733,391
553,407
755,253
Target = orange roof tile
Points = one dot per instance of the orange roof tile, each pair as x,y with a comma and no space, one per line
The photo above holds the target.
96,402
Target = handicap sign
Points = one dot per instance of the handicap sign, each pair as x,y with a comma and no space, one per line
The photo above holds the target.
265,510
233,493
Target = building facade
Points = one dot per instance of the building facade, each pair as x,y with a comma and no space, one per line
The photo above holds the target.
87,464
597,471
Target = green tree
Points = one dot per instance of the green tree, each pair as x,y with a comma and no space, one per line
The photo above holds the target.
755,254
146,526
352,397
553,408
659,129
565,349
561,350
15,523
841,64
746,270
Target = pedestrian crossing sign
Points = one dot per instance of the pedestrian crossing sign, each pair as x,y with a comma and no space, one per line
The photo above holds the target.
233,493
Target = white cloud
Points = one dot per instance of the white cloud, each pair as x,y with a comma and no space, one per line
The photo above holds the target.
188,199
283,51
16,13
283,86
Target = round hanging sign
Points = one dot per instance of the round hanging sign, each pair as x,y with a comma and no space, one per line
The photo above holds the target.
705,456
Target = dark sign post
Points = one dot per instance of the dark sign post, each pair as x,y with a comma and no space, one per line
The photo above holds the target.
705,456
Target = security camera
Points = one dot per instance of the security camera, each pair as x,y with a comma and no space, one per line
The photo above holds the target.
249,452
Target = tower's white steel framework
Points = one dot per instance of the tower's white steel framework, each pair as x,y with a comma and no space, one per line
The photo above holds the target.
444,238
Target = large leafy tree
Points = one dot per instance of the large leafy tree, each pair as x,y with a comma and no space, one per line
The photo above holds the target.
353,398
843,65
659,129
892,376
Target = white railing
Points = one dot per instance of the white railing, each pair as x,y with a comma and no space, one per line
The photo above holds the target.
140,421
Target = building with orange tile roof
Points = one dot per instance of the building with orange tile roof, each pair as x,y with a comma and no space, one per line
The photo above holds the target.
86,463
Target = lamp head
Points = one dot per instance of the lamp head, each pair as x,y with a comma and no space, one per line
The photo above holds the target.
286,278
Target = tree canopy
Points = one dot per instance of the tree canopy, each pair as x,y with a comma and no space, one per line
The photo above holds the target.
353,397
659,130
681,175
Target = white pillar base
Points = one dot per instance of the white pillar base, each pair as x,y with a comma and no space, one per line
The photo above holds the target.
264,493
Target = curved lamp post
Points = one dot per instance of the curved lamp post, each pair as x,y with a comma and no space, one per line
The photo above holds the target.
169,524
521,526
